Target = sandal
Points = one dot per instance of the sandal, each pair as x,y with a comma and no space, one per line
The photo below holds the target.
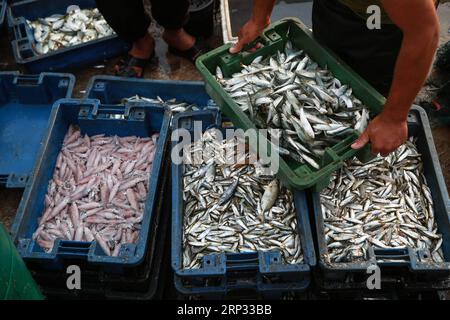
129,65
193,53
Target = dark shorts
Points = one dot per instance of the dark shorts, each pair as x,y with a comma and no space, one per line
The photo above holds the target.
371,53
130,21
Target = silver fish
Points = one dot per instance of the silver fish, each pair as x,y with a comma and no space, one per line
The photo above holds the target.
172,104
379,204
77,26
222,213
289,86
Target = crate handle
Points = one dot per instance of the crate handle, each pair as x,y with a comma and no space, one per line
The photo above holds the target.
3,180
16,181
74,249
127,111
344,150
392,256
242,261
251,48
265,39
236,266
20,31
335,156
244,271
27,80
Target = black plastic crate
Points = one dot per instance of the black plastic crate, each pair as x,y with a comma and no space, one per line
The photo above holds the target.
258,272
408,270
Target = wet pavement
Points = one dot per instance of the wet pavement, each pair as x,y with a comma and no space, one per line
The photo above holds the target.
167,66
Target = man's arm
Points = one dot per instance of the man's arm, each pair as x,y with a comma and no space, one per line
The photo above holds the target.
420,25
262,9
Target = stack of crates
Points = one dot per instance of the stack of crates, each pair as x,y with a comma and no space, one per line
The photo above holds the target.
407,267
257,274
36,114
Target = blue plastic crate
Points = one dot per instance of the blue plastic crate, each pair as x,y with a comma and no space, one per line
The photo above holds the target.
93,118
3,6
111,90
25,105
408,269
261,272
144,282
65,58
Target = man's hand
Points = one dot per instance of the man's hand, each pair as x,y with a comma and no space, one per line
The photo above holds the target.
262,9
420,26
384,133
249,32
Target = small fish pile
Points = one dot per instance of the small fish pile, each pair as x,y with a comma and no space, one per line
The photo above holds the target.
231,208
75,27
289,91
172,104
98,191
385,203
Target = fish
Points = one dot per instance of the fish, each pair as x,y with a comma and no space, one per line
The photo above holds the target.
75,27
93,192
379,204
223,202
172,105
310,102
228,194
270,195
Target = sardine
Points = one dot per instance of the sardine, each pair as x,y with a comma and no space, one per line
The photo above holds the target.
306,99
395,210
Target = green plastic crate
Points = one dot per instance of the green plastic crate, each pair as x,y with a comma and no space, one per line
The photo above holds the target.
16,282
274,38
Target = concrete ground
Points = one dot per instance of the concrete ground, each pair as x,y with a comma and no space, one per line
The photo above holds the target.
167,66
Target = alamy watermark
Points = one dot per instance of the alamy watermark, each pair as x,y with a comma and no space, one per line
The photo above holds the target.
373,282
374,19
73,281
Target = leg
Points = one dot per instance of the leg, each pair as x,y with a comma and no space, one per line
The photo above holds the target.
131,23
371,53
172,15
128,19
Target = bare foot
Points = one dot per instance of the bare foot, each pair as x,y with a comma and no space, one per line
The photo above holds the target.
179,39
